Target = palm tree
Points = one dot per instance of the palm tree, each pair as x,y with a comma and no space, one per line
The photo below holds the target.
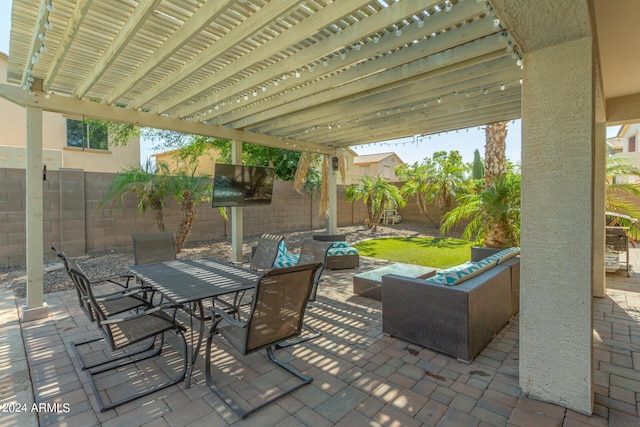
495,166
190,191
150,189
438,180
621,211
377,194
616,188
493,213
495,161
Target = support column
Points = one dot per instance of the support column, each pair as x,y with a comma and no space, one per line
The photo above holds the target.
236,212
599,167
36,308
557,276
332,221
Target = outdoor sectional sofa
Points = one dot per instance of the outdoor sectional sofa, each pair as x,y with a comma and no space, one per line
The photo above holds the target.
458,318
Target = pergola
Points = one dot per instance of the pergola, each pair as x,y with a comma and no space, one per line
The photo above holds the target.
321,75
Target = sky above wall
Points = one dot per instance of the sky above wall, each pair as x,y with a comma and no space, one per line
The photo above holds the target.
410,150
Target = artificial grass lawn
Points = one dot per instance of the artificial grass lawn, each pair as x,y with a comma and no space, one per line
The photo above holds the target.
429,251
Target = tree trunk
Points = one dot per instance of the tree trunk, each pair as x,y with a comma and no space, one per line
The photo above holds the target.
376,218
158,217
188,209
495,162
369,213
495,238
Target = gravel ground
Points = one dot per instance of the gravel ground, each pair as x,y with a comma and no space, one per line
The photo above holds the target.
114,262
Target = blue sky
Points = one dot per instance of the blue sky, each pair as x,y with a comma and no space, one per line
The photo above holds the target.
465,141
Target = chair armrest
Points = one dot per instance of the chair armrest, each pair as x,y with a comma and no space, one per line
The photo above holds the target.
148,312
123,293
114,279
228,317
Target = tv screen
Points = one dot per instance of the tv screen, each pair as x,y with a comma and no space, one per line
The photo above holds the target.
239,185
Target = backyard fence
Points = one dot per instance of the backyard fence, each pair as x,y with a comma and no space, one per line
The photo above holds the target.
74,221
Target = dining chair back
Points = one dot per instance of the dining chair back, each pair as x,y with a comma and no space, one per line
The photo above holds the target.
266,251
314,251
150,248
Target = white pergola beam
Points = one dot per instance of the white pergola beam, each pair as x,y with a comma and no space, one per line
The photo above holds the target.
197,23
430,122
367,76
34,47
65,105
452,68
326,47
129,30
246,29
293,35
70,33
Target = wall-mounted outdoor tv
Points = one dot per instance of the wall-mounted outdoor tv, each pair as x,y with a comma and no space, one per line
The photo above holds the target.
239,185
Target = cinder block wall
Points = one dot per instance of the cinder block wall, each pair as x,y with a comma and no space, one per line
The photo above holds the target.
75,221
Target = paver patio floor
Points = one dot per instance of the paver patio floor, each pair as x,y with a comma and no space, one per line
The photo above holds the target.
361,377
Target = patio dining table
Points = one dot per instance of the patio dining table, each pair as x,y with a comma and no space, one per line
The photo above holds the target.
189,282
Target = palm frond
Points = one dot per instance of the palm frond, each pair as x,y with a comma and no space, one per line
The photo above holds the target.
304,163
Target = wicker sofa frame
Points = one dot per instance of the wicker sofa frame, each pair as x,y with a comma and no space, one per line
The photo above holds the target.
455,320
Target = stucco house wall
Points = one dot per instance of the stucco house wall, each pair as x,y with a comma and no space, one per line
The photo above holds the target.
206,162
56,153
377,164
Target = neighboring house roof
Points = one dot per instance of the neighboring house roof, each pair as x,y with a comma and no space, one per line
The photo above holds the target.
374,158
615,142
623,129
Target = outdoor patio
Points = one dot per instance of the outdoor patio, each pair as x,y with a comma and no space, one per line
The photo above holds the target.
361,377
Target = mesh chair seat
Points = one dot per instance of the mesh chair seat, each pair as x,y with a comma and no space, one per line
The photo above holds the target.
131,331
122,305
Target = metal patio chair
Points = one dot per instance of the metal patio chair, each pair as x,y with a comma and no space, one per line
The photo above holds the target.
312,251
120,301
266,251
126,329
276,313
128,299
